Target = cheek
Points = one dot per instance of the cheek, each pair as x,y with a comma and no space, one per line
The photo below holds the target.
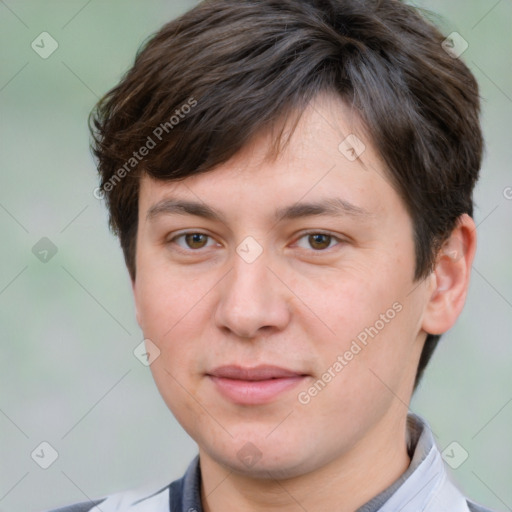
360,374
173,317
175,313
368,319
380,359
164,297
345,302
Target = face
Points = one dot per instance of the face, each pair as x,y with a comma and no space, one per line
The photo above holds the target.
280,297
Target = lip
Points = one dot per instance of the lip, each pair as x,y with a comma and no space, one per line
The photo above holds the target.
252,386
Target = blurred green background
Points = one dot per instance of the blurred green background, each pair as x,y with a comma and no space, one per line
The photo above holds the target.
67,372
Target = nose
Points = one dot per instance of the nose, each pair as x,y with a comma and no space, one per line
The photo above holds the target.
252,300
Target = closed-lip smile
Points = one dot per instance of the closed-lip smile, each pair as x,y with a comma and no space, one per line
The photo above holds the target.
254,385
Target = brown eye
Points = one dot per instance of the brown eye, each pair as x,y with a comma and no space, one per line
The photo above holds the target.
196,240
319,241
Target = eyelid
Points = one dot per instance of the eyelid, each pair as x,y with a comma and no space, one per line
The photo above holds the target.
318,232
334,236
301,235
179,234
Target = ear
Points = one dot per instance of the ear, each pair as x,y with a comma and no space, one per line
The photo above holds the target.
135,298
451,278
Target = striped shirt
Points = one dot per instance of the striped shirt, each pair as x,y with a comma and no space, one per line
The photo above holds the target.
424,487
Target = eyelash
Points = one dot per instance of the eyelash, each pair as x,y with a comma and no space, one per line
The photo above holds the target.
333,238
187,233
303,235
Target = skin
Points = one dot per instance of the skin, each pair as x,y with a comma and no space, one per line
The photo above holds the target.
299,305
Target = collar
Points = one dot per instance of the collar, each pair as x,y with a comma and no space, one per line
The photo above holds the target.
424,487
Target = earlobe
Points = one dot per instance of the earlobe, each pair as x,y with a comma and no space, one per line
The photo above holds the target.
451,278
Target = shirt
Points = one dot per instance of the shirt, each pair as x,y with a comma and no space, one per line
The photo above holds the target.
424,487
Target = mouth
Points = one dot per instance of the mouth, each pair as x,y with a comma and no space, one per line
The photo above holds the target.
253,386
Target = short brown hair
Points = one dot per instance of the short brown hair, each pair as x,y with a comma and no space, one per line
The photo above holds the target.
242,66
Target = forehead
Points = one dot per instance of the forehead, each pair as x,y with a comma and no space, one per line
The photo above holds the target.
328,155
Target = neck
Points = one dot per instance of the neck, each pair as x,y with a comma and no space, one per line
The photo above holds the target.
344,484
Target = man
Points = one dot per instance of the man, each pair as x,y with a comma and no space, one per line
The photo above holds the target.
291,182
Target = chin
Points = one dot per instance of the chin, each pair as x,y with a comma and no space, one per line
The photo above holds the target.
263,459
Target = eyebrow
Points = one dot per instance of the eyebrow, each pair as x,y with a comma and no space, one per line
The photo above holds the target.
336,207
181,207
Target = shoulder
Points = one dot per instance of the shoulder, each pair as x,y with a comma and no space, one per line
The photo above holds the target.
86,506
127,501
181,494
474,507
